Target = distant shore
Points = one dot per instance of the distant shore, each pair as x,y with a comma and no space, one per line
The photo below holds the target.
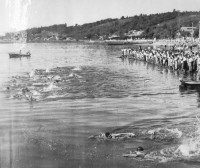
163,42
56,41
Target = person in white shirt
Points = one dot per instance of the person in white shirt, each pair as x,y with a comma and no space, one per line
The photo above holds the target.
190,63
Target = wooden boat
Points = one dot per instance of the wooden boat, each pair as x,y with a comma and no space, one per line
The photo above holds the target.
18,55
190,83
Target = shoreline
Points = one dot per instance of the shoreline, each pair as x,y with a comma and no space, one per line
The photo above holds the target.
117,42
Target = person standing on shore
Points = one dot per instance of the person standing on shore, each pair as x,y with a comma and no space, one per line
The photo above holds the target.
122,50
190,60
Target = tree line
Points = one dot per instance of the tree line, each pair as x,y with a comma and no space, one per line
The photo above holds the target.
160,25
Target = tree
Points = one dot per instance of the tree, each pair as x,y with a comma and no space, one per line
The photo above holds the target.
89,35
165,26
185,34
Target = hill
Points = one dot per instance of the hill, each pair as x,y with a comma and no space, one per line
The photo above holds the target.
160,25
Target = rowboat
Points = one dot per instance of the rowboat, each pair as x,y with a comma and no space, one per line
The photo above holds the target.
18,55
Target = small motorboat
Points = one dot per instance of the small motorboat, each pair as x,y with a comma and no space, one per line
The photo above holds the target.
18,55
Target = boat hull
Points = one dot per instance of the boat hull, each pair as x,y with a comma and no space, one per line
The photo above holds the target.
15,55
191,83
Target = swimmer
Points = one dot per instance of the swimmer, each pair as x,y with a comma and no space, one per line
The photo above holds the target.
181,79
17,77
17,96
7,88
47,70
58,69
73,75
28,94
25,90
57,78
122,135
146,80
50,77
50,87
32,73
77,68
139,153
113,136
35,93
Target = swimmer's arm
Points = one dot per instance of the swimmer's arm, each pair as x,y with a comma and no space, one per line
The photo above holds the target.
123,134
135,155
101,135
130,155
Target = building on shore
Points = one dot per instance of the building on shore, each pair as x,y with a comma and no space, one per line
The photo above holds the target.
188,29
134,33
114,37
15,37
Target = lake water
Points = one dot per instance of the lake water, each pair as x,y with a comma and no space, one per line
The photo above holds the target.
96,92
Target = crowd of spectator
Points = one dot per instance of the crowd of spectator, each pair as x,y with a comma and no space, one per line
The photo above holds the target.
174,59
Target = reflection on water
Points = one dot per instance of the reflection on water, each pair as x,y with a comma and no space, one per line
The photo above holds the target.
66,92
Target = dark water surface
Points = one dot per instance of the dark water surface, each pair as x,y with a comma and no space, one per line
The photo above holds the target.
96,92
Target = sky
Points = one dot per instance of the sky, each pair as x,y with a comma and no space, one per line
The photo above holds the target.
18,15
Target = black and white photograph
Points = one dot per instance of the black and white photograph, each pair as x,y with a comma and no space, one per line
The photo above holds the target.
99,83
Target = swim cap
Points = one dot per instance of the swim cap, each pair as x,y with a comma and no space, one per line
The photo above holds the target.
140,148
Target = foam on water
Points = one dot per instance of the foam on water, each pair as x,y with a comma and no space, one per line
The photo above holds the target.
63,82
78,68
73,75
50,87
187,149
165,133
47,70
190,146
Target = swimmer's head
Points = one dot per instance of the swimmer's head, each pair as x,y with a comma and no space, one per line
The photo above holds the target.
139,149
108,135
24,90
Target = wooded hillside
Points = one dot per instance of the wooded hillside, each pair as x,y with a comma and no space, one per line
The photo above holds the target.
162,25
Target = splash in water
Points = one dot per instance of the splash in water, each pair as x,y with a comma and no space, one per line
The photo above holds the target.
51,87
78,68
64,83
32,73
187,148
